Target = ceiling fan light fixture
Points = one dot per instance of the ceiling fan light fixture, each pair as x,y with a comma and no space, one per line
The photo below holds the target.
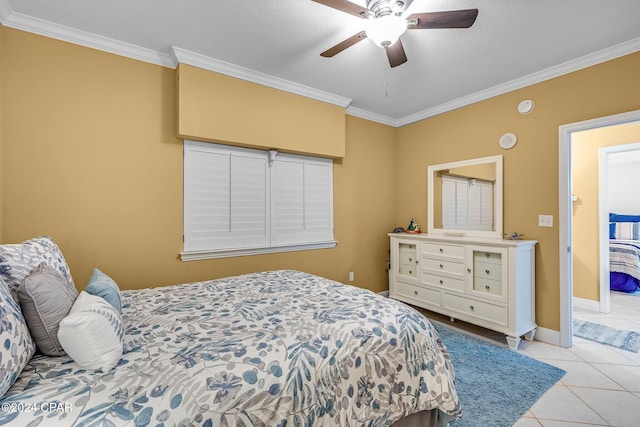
386,30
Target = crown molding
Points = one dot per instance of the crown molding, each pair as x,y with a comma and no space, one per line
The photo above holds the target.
30,24
79,37
374,117
589,60
183,56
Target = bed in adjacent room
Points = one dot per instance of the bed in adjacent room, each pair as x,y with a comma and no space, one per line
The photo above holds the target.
624,252
265,349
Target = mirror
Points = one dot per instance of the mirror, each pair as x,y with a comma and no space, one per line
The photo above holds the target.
465,198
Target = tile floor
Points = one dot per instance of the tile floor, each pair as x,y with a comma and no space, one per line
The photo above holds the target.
601,386
625,313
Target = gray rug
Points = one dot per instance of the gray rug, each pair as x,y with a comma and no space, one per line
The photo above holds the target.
495,385
626,340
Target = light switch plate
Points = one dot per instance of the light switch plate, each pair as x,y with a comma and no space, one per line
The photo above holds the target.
545,220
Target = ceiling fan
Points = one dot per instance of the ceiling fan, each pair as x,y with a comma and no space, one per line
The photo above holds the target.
385,24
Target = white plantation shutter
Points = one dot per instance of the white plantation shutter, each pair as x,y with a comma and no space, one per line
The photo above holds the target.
237,203
225,198
485,221
467,203
301,189
455,193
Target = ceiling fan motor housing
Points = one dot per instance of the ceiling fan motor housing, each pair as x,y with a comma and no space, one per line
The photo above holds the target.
381,8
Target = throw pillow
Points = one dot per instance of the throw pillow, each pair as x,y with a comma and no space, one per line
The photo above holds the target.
16,345
93,333
627,231
104,286
46,298
18,259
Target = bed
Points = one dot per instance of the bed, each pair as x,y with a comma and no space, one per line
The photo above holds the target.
624,265
624,253
265,349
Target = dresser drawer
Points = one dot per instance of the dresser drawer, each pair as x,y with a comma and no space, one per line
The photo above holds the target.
408,270
483,310
490,287
442,266
407,257
444,281
485,270
407,247
443,250
487,257
430,296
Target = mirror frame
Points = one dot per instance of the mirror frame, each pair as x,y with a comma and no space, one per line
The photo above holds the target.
497,200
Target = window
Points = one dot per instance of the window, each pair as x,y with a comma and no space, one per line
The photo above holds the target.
240,201
467,203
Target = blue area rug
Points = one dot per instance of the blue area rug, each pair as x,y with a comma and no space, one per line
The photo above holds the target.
626,340
495,385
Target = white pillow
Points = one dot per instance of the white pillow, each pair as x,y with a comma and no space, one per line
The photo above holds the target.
93,333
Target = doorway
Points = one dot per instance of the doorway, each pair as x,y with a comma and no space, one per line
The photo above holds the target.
566,134
611,152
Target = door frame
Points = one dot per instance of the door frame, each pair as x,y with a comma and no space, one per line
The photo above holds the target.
565,209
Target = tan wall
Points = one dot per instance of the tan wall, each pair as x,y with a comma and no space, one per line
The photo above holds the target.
531,167
215,107
91,158
585,147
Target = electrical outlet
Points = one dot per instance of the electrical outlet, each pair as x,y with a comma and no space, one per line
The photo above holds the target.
351,276
545,220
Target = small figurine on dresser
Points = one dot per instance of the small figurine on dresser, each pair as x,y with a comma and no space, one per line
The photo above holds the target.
413,227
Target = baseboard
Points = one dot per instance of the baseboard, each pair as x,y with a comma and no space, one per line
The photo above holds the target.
586,304
384,293
548,336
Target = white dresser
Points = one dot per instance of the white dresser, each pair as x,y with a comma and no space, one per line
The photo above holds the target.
485,281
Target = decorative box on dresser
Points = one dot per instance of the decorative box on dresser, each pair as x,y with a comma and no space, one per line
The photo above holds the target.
489,282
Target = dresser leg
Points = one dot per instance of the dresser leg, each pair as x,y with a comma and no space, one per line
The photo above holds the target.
529,336
513,342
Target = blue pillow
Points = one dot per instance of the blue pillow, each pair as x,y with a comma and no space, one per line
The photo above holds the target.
612,230
614,217
104,286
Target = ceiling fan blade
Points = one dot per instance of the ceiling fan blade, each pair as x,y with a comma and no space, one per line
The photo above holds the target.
346,6
396,54
344,44
448,19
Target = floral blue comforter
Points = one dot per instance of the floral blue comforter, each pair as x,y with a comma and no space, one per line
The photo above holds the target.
266,349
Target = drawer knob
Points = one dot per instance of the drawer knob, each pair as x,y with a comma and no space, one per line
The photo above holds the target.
441,266
487,255
416,262
487,271
469,270
415,292
441,282
487,287
410,272
441,249
471,307
410,259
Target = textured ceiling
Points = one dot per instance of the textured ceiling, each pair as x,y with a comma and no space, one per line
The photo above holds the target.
513,43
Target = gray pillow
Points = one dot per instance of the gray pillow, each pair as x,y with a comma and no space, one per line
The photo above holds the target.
46,298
